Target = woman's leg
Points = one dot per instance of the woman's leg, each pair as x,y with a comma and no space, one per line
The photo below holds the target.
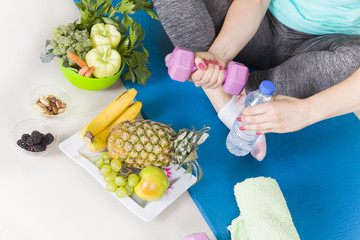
260,49
192,24
308,73
303,64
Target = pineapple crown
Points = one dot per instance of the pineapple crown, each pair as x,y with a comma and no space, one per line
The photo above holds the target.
185,146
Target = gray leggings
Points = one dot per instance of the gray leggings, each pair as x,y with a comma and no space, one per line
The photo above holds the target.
299,64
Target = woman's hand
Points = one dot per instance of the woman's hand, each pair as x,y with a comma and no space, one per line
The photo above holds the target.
284,114
210,72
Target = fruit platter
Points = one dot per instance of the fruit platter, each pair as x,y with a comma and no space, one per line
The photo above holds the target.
144,164
75,149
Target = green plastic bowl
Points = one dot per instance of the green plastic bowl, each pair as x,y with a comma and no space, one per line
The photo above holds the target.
91,84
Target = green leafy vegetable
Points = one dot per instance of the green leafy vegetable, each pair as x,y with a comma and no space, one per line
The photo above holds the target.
48,55
131,47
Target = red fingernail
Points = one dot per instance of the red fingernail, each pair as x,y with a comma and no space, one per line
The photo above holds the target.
216,63
210,61
220,67
201,66
242,128
206,62
239,119
258,133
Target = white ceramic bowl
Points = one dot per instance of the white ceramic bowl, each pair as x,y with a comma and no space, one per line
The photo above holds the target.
47,90
30,125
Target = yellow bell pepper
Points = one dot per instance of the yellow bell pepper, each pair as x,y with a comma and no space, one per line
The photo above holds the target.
106,61
104,34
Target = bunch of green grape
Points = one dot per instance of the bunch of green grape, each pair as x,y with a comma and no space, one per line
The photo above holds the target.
66,38
110,169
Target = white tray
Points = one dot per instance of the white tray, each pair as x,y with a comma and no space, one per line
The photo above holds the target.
75,148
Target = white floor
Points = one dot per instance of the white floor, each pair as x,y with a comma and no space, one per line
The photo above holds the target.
357,113
52,197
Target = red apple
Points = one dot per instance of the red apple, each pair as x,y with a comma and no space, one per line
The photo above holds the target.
152,184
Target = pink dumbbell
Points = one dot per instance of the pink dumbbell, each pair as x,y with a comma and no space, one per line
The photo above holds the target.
181,65
196,236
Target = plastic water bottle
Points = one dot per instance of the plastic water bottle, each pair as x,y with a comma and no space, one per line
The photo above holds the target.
240,142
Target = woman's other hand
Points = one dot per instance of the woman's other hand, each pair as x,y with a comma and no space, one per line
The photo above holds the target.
210,72
284,114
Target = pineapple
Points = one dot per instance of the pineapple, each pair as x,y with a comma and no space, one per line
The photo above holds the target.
141,143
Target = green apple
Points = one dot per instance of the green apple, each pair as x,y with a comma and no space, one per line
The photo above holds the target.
152,185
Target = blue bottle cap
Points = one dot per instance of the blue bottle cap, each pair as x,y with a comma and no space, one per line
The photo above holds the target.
267,87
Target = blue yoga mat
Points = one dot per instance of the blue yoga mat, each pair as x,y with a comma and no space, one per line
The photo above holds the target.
317,168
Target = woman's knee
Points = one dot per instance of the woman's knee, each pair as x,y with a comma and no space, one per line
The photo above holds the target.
349,58
187,23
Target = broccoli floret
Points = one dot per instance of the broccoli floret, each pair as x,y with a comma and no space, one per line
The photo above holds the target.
54,43
56,52
56,35
70,62
64,58
85,35
62,49
70,49
60,39
87,43
57,32
65,29
83,55
78,36
79,47
67,39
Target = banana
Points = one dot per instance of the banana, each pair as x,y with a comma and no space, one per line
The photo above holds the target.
108,115
100,140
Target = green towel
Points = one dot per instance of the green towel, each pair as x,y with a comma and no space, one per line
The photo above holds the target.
264,213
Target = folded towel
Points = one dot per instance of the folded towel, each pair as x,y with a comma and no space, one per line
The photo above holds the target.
264,213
